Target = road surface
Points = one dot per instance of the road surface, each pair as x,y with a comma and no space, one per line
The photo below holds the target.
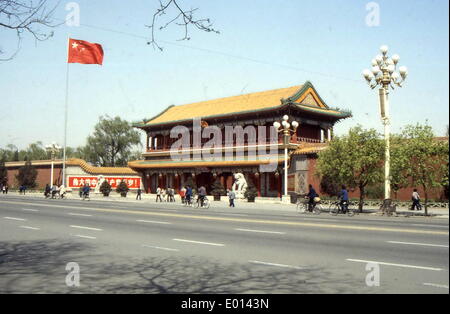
127,247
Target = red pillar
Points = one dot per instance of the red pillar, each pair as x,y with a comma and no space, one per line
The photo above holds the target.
258,184
278,178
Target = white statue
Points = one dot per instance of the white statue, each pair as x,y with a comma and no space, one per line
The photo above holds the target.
100,180
240,185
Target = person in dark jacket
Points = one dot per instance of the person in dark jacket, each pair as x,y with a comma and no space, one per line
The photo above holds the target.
343,196
312,194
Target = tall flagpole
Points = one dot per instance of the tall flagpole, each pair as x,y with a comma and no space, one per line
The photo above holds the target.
65,117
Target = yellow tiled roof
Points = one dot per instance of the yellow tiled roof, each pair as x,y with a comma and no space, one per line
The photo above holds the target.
99,170
163,164
76,162
309,148
223,106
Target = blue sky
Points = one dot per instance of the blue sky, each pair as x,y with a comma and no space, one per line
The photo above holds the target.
263,44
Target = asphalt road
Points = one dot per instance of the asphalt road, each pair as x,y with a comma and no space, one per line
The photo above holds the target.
125,247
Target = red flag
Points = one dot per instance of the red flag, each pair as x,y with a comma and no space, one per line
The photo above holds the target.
84,52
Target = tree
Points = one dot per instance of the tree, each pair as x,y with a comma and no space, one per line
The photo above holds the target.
177,16
217,189
26,16
423,159
251,192
354,160
3,171
329,186
122,188
105,188
112,142
27,175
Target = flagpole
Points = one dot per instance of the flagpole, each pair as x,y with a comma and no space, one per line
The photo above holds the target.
65,117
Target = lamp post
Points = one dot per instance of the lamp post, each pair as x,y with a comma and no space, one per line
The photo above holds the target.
287,130
53,149
384,75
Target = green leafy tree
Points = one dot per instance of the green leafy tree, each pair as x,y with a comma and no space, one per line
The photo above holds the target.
217,188
27,175
329,186
122,188
422,160
355,160
105,188
112,143
251,192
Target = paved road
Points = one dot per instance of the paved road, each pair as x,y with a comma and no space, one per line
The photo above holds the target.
167,248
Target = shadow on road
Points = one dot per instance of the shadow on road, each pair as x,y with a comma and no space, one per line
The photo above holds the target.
39,267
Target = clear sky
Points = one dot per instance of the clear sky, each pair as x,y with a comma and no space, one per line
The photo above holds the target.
263,44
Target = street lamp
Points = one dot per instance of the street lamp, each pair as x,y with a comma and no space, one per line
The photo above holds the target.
287,130
384,75
53,149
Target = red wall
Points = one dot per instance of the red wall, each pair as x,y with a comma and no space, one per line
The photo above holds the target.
43,176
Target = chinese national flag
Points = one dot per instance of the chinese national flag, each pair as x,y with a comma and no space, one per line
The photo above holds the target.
84,52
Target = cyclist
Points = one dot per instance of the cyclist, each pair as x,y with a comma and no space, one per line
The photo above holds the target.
188,195
201,195
312,194
86,190
343,196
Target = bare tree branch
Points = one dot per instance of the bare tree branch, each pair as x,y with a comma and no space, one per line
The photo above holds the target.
26,16
181,17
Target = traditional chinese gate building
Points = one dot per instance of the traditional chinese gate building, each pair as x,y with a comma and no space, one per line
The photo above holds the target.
301,103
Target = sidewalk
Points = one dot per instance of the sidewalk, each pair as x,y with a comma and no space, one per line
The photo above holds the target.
272,205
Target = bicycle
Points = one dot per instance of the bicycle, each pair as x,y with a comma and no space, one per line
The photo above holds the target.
336,208
303,207
86,196
188,203
206,203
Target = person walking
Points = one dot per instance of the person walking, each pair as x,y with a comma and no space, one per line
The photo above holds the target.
47,191
158,194
231,197
183,194
138,194
62,191
416,200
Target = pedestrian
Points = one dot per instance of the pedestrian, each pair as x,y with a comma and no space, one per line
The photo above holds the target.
183,194
62,191
53,191
158,194
4,189
47,191
138,194
171,193
231,197
415,200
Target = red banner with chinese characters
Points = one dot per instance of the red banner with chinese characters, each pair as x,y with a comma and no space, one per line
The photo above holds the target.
77,181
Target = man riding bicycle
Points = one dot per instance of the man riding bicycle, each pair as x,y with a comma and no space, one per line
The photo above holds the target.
86,190
201,195
343,196
188,195
312,196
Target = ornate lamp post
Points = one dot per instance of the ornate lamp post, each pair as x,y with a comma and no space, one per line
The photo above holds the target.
287,130
384,75
53,149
